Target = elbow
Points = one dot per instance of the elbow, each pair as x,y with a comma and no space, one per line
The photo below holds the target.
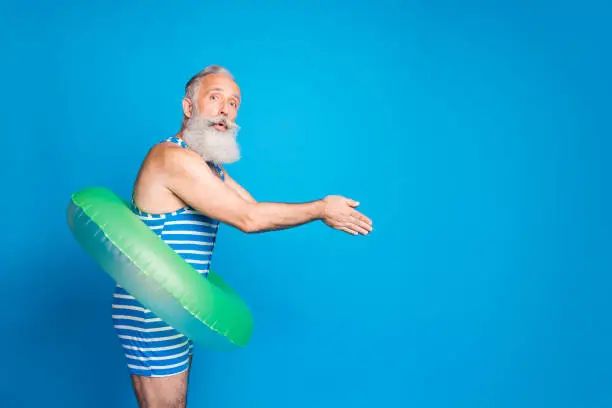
249,223
247,227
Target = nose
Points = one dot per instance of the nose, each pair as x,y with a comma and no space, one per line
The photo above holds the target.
223,108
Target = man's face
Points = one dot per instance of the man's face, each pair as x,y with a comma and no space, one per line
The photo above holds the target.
218,95
210,128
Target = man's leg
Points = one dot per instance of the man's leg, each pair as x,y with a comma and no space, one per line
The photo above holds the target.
162,392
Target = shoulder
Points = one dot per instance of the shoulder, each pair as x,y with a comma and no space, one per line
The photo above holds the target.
176,161
167,155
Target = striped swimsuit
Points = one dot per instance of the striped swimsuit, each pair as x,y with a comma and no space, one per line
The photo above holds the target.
151,346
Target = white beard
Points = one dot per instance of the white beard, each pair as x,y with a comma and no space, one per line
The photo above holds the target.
211,144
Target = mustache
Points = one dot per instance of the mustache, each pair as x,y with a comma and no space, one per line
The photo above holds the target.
210,121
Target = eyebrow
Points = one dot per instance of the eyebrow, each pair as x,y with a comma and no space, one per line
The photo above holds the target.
221,90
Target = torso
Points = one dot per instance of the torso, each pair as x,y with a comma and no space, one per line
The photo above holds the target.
190,233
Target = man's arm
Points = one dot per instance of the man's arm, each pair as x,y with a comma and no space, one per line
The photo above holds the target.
190,178
237,187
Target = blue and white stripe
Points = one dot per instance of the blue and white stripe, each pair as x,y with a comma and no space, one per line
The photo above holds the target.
151,346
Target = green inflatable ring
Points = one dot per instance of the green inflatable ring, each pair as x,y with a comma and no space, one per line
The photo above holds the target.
207,311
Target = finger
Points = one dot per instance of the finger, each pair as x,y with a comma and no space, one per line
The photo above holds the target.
357,223
361,217
360,229
352,202
348,230
362,225
354,225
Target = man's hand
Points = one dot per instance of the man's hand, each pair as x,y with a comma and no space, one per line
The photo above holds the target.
339,213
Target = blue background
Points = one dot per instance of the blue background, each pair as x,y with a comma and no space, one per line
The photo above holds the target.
475,134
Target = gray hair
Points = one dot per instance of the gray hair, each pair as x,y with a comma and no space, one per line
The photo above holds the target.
191,89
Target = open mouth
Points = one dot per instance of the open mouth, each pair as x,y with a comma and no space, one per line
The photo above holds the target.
220,125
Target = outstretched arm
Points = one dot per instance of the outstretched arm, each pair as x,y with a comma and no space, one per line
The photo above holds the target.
190,178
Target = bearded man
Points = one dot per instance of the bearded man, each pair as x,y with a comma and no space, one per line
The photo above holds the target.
182,193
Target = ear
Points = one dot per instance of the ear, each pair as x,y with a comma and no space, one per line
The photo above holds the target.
187,107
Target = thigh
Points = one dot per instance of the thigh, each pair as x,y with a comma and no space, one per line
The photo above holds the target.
162,392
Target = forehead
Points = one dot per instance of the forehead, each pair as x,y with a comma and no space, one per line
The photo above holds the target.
221,83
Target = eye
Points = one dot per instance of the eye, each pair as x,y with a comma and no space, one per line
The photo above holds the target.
213,97
234,104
